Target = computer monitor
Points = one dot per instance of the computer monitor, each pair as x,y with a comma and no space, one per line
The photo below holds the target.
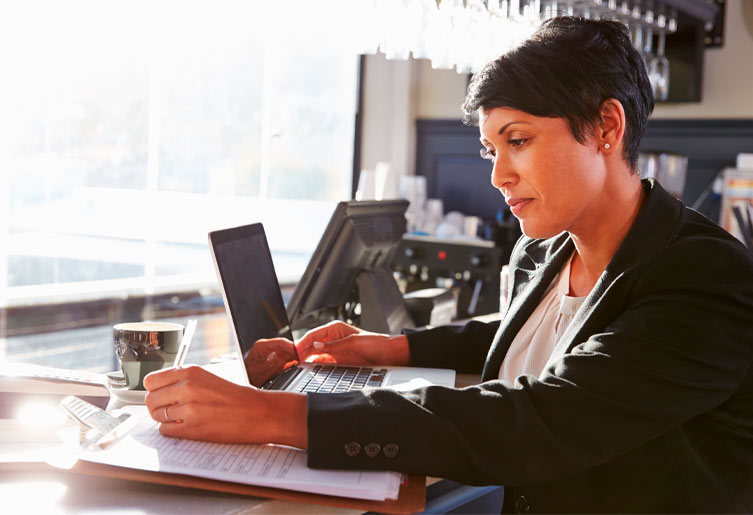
348,277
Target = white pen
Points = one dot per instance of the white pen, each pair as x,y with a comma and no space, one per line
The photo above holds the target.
184,343
120,431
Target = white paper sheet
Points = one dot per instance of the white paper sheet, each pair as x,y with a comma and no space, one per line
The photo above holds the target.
264,465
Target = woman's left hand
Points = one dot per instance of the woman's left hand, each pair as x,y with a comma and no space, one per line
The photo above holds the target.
195,404
268,358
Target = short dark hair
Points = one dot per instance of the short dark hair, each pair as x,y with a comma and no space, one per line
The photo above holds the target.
566,69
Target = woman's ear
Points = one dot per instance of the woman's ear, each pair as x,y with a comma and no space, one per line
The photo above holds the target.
611,129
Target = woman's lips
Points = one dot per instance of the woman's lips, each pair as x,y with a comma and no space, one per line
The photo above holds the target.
517,205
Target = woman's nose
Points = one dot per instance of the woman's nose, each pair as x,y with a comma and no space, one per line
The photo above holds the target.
502,175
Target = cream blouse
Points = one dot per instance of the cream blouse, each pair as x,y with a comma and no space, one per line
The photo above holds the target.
538,337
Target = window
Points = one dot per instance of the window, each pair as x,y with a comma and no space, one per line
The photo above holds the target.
131,129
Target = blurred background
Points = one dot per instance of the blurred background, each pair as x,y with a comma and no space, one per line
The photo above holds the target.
130,130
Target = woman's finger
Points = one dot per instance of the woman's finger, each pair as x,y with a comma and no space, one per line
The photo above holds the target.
319,347
168,414
280,345
174,430
161,378
192,383
261,369
161,397
171,393
321,358
191,421
328,332
309,338
345,351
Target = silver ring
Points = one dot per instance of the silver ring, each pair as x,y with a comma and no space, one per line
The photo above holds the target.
167,419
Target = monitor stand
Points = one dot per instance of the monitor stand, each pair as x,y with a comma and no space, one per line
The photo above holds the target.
383,309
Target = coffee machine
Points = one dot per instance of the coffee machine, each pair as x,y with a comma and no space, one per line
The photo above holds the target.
469,268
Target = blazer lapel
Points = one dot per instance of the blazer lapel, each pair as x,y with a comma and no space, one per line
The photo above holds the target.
533,273
654,227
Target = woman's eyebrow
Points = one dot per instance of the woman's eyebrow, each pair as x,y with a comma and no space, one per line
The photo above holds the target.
484,141
504,127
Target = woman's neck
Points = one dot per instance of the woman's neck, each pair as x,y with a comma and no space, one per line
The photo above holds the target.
597,245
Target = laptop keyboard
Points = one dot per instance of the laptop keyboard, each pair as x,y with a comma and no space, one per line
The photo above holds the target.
337,378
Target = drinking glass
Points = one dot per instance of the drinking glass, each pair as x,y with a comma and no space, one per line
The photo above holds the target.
395,26
659,69
438,42
420,13
364,31
478,37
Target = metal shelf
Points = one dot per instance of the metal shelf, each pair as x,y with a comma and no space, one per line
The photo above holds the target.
704,10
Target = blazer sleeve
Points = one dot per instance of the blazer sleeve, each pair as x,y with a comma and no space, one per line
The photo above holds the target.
462,348
677,349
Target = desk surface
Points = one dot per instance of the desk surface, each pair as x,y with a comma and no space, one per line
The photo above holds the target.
40,490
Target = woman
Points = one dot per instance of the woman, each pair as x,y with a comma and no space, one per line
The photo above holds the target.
619,378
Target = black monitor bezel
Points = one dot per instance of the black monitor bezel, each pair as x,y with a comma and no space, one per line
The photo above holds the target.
344,211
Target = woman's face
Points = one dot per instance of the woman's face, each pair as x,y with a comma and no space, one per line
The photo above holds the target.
551,182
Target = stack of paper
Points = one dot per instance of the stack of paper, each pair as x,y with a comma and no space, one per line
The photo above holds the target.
276,466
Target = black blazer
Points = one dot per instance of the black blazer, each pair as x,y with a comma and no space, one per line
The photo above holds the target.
647,406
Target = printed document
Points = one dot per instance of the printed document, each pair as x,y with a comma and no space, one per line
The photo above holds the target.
277,466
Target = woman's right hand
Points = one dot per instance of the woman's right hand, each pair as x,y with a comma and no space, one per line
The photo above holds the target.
338,342
269,357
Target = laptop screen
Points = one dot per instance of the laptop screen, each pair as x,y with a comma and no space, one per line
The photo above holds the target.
250,286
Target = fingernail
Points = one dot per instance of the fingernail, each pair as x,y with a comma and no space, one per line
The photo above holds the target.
319,345
272,356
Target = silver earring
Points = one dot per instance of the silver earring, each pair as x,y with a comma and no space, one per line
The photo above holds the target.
607,146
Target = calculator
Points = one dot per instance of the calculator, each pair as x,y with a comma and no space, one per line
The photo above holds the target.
90,415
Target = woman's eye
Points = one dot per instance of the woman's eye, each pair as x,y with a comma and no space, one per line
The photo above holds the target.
488,154
516,143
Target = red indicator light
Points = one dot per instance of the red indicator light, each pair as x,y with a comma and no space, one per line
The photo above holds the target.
442,255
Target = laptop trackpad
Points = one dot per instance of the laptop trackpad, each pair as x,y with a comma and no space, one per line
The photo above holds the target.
404,384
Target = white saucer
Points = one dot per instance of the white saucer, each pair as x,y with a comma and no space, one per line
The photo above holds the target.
128,396
123,394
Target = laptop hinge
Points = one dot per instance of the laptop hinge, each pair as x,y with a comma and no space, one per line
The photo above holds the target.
283,380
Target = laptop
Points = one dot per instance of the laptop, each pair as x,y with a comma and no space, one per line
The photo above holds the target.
254,304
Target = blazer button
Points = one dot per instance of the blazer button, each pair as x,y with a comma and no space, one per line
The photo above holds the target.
352,449
522,505
372,449
390,450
